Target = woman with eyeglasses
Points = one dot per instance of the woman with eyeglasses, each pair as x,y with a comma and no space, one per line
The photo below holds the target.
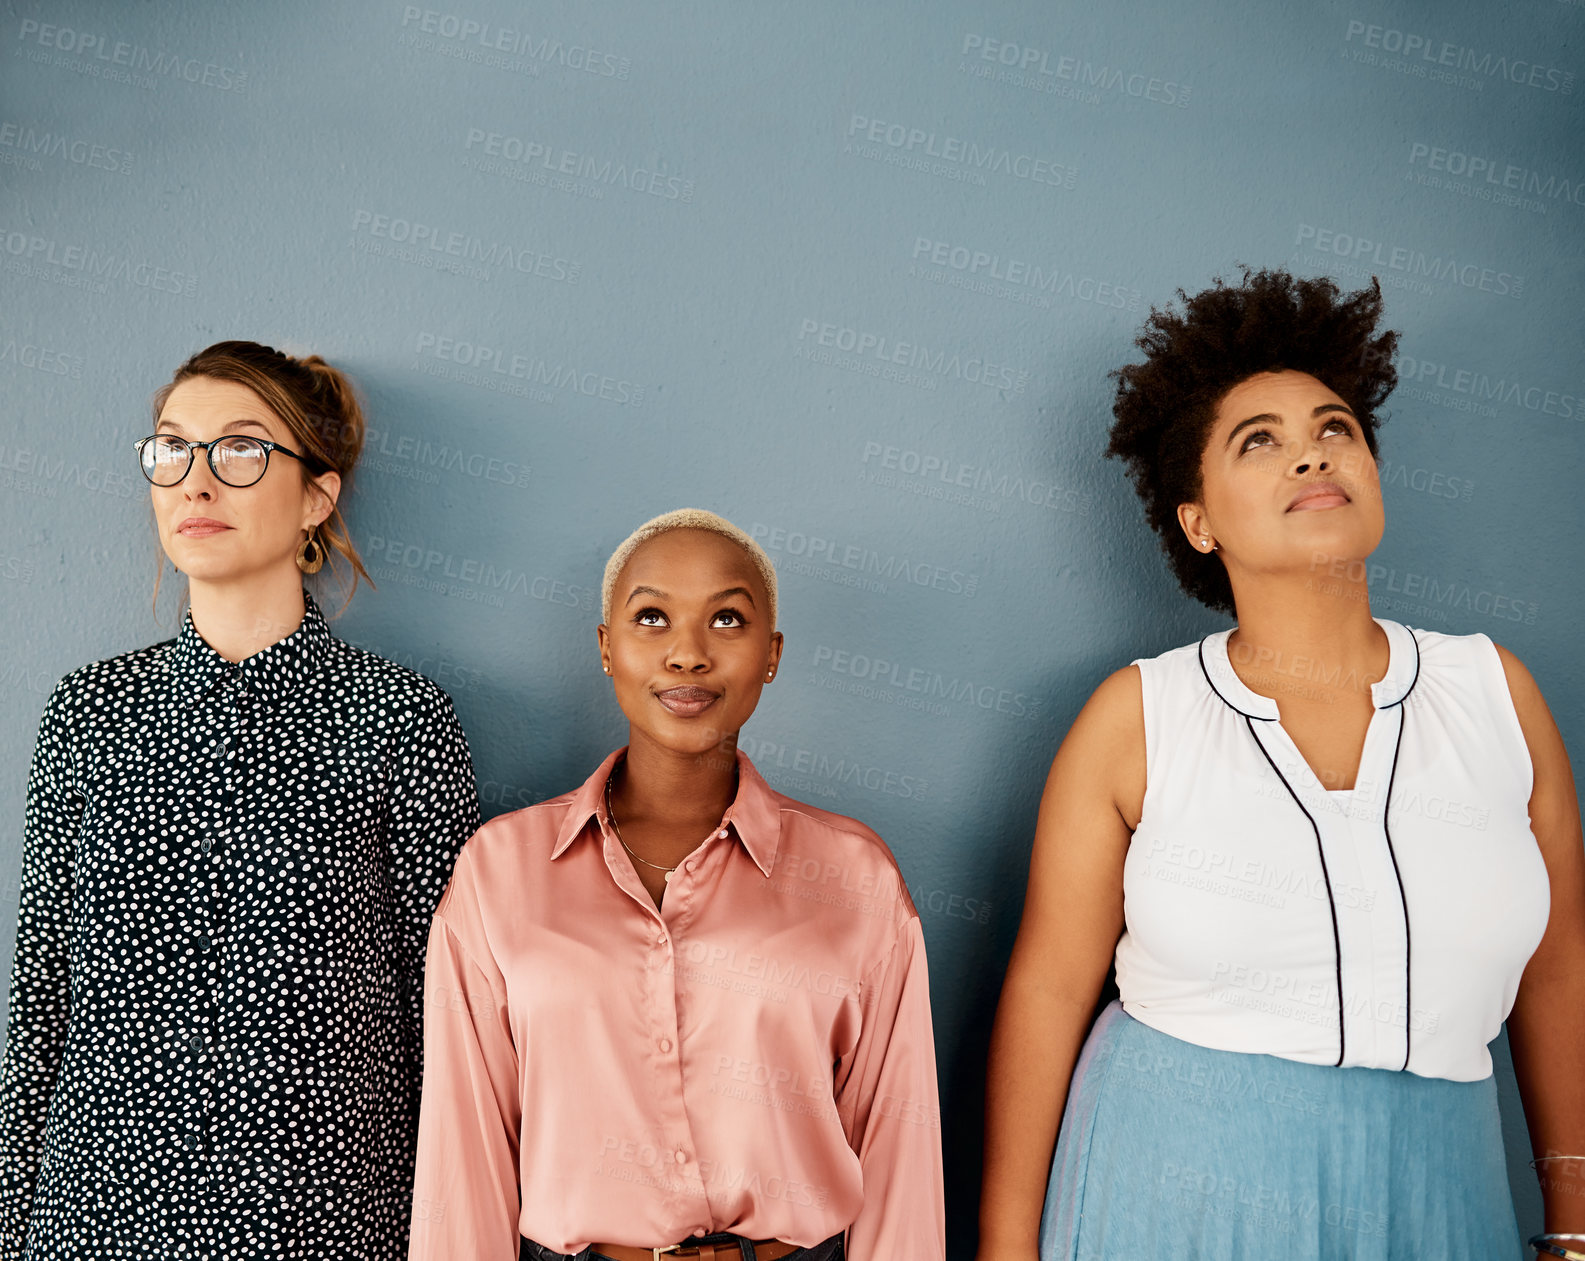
233,845
673,1013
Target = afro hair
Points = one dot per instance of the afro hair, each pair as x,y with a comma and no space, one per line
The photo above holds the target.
1223,335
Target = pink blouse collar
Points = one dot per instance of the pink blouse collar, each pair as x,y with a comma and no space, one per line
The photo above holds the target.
754,815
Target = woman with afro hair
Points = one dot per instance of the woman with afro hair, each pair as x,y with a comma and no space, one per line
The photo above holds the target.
1328,854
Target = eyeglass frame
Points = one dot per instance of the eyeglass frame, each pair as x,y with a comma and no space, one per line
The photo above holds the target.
269,446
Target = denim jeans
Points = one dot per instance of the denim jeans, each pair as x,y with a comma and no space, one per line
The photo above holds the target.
831,1250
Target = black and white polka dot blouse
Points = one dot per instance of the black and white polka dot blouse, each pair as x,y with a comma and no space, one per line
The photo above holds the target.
214,1037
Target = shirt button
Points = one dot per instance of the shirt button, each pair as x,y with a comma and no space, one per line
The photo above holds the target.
190,1142
721,834
661,940
682,1157
665,1044
205,844
196,1043
203,943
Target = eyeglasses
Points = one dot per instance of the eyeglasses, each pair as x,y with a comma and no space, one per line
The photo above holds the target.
236,460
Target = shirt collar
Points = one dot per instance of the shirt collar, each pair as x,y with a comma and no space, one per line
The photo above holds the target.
754,815
270,674
1403,672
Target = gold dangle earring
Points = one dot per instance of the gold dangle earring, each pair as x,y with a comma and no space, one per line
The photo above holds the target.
311,565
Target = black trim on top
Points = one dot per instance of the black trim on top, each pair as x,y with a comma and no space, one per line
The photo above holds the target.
1337,941
1415,640
1386,828
1403,898
1209,683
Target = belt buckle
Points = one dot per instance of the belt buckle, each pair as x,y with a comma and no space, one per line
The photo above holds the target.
657,1254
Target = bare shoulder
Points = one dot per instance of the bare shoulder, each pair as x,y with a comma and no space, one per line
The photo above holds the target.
1104,751
1118,703
1521,686
1535,719
1554,807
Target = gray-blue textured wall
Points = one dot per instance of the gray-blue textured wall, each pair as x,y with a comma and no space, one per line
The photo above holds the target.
851,274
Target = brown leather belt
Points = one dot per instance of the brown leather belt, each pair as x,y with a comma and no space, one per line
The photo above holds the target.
766,1250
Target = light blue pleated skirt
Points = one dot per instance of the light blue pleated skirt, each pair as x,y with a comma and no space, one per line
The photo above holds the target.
1172,1150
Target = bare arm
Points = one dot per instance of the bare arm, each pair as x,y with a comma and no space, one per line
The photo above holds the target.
1548,1053
1073,916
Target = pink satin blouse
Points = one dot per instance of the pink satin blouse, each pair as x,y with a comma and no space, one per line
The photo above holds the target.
754,1056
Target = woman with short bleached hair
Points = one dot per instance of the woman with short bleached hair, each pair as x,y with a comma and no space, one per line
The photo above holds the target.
1314,944
674,1012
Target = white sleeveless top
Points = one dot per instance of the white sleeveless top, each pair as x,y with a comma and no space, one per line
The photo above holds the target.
1384,927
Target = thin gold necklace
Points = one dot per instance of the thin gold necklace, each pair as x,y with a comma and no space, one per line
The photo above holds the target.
610,813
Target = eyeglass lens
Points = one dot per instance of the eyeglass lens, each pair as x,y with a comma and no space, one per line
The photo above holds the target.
237,461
